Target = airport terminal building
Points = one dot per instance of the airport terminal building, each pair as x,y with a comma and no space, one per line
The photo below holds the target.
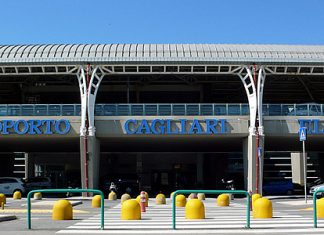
168,115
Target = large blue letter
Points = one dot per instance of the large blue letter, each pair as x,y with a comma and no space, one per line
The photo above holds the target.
67,126
154,126
34,127
128,131
211,126
223,126
6,125
195,127
25,128
143,128
48,129
169,128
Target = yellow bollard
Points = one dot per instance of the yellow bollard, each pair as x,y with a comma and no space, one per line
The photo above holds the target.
125,197
181,200
223,200
38,196
201,196
96,201
62,210
147,199
320,208
138,198
262,208
195,209
3,198
160,199
16,195
112,196
131,210
192,196
255,197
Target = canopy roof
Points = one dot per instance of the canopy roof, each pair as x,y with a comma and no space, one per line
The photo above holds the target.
161,53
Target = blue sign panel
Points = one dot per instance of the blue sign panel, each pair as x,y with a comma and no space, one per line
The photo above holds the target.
34,127
313,126
302,134
175,127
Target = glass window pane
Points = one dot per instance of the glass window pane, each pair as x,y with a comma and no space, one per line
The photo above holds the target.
288,110
274,109
301,110
67,110
78,110
220,109
41,110
14,110
192,109
98,111
179,109
109,110
165,109
151,109
123,110
137,110
245,109
315,110
27,110
3,110
54,110
206,109
234,109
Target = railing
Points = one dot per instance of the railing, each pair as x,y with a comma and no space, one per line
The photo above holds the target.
102,206
241,192
314,205
232,109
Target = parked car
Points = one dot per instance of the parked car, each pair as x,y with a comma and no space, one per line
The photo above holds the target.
278,187
9,185
316,187
34,183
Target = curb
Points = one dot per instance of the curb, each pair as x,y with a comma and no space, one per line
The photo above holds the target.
7,217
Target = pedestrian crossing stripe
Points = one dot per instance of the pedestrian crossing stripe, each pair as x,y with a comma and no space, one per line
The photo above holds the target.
221,220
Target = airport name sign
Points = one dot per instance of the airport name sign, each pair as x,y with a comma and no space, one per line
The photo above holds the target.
35,127
313,126
175,127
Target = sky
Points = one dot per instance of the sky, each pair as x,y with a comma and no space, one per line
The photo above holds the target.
162,21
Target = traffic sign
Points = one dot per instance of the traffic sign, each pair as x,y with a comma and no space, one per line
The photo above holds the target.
302,134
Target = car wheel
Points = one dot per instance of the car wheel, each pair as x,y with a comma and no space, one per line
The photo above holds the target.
289,192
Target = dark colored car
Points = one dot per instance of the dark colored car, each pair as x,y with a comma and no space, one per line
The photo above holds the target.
278,187
35,183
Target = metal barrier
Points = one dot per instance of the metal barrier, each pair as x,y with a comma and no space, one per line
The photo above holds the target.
212,192
314,205
65,191
161,109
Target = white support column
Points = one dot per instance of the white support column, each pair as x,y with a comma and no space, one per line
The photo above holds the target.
249,86
96,78
261,81
83,94
255,139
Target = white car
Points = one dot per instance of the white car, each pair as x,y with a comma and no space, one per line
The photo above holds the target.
9,185
316,187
